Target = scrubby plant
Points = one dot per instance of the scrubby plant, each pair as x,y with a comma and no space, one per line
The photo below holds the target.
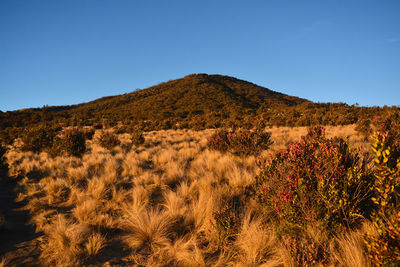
108,140
88,133
127,127
8,135
384,249
390,128
98,126
317,180
219,140
37,139
137,138
248,142
226,222
71,141
241,141
3,163
306,252
364,127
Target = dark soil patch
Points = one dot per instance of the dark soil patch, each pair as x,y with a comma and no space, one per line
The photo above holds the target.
19,244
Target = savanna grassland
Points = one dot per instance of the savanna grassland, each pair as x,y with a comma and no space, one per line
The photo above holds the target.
171,200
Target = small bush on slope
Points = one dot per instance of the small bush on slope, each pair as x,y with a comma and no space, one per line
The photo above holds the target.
226,222
3,164
318,180
108,140
364,128
137,138
71,141
38,138
8,135
241,141
88,133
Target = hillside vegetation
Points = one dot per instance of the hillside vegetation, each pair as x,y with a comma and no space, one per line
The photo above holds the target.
104,188
196,101
172,200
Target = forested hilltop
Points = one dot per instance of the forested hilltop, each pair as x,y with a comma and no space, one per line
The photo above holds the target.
195,101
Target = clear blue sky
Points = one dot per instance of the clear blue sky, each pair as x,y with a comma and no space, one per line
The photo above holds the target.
69,52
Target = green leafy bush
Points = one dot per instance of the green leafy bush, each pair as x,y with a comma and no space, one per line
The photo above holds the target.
241,141
71,141
384,249
315,180
390,128
38,138
108,140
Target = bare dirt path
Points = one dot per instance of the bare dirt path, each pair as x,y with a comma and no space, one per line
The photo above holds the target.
18,240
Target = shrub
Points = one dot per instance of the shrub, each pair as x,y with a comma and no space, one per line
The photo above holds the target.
98,126
318,180
88,133
306,252
8,135
384,249
219,141
137,138
248,142
241,141
38,138
226,222
71,141
364,128
108,140
3,163
125,128
390,128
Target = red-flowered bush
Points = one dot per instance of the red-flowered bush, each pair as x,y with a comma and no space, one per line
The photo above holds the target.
219,140
317,180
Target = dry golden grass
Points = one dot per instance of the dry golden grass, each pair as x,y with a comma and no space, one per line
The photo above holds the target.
282,136
153,205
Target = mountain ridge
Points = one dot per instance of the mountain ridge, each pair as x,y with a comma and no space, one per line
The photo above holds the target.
194,101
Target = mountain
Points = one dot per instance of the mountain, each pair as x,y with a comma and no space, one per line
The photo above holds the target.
198,96
195,101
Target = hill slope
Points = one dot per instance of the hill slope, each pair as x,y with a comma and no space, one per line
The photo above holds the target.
196,96
195,101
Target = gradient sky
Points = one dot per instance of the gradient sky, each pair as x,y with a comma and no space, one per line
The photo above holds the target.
69,52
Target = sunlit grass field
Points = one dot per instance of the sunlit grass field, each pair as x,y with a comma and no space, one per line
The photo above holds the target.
155,204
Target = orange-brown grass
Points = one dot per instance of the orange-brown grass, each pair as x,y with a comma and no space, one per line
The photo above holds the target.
154,205
282,136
